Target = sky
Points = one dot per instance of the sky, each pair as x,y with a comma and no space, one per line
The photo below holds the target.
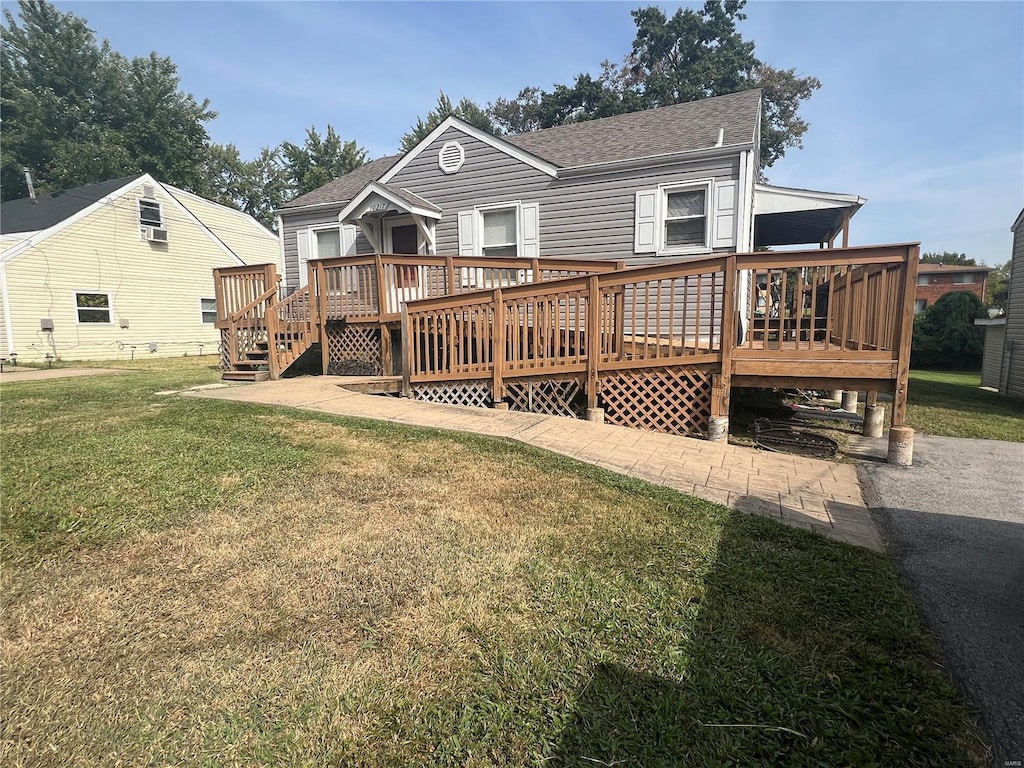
921,109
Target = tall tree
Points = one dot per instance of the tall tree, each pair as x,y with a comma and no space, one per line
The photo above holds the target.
948,257
319,160
693,54
467,109
77,112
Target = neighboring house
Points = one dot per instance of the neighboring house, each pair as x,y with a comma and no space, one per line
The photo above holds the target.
1003,362
118,269
672,182
936,280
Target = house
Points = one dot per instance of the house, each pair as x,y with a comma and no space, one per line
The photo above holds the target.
118,269
615,267
936,280
1003,361
674,182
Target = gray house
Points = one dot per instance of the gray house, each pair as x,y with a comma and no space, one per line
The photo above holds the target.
1003,361
672,182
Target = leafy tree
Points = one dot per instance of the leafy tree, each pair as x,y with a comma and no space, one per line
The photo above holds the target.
945,335
466,109
695,54
319,160
948,257
76,112
258,187
997,289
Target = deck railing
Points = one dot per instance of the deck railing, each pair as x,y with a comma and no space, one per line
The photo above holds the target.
812,315
372,288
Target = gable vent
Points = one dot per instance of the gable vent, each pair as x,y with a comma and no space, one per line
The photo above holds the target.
451,157
148,191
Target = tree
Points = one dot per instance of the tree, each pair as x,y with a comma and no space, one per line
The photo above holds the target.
945,335
76,112
466,109
258,187
319,160
997,289
948,257
692,55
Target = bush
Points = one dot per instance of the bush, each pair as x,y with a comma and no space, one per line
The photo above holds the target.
945,335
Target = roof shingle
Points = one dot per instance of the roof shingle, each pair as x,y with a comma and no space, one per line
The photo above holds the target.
50,208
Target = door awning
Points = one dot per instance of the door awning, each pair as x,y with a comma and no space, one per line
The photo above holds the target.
376,200
789,216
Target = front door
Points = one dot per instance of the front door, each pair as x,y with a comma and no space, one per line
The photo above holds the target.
405,280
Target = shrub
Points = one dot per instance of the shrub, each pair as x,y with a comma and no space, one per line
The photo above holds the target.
945,335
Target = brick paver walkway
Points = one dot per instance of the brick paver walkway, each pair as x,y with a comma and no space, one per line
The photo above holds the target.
802,492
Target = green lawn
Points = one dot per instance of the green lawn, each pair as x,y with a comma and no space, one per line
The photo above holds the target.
192,582
950,403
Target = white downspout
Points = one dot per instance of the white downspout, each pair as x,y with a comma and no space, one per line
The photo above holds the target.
7,308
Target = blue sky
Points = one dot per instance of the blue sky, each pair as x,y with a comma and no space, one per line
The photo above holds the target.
921,110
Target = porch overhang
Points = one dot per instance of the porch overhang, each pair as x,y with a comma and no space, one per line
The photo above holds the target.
789,216
375,201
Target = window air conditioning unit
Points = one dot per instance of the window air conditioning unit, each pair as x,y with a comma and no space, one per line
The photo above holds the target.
155,234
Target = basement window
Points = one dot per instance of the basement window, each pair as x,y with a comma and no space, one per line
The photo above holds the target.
93,307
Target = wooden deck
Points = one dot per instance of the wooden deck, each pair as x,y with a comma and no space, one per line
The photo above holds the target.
657,347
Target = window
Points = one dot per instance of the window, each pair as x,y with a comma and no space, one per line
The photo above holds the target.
150,214
923,279
208,309
920,306
964,277
686,219
500,233
93,307
677,218
328,243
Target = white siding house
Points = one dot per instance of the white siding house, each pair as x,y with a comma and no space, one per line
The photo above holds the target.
118,269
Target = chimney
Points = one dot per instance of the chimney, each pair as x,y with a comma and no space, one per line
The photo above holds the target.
31,189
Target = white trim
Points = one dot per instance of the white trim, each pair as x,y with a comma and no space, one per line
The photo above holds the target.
110,306
7,308
652,161
280,245
428,232
60,226
378,188
470,130
478,222
664,190
202,311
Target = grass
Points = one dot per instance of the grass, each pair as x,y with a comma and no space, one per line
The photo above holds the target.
215,584
950,403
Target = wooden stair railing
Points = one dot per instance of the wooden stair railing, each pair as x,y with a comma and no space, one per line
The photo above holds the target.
292,330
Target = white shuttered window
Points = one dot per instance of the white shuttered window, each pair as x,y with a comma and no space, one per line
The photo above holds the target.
502,230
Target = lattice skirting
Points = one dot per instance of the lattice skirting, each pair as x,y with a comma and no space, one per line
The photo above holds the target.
673,400
223,350
354,350
476,393
555,397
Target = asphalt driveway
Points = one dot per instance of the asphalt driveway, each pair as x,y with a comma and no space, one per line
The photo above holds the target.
954,522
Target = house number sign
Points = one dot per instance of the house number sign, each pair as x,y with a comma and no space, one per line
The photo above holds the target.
377,207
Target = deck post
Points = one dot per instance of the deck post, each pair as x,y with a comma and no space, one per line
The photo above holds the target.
313,285
407,342
321,301
449,268
901,436
535,269
498,356
382,292
593,340
387,363
721,383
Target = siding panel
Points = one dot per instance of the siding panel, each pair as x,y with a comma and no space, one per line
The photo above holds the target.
1013,354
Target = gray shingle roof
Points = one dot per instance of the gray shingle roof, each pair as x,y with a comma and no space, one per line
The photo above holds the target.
412,198
666,130
344,187
679,128
51,208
